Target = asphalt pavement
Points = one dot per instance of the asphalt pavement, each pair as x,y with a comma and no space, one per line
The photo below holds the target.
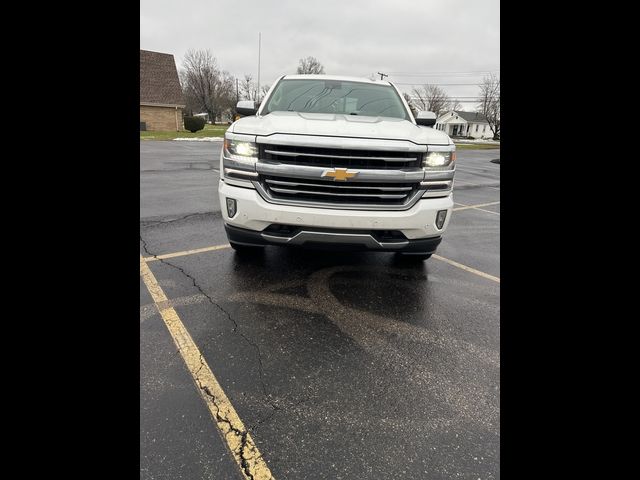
340,365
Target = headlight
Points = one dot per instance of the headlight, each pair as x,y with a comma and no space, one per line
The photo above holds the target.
244,152
437,159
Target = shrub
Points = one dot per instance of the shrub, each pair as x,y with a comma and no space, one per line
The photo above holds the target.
193,124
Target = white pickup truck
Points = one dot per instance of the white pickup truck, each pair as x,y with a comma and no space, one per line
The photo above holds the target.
339,162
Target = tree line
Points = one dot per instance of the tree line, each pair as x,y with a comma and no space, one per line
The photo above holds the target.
434,99
208,88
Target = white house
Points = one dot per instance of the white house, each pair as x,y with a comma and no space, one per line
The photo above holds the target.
464,124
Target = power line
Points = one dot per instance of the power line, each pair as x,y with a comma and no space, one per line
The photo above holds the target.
420,74
462,101
457,99
468,97
441,84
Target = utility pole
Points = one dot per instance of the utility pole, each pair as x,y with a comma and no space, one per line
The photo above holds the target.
382,75
259,44
237,92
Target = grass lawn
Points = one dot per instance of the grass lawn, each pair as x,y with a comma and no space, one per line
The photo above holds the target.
207,131
476,146
218,131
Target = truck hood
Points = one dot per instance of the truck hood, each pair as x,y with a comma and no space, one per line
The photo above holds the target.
339,125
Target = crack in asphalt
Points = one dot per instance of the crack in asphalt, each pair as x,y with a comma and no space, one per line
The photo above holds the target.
145,224
253,427
235,324
244,462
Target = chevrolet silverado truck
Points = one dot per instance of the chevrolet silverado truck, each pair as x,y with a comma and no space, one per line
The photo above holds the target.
332,161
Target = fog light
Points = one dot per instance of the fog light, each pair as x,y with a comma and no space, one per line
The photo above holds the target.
231,207
442,215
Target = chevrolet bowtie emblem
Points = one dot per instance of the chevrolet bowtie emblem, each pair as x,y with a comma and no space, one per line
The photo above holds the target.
340,174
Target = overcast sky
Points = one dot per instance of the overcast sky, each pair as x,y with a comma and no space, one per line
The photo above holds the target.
414,41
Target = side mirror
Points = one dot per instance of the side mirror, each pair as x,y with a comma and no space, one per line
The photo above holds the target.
424,118
246,107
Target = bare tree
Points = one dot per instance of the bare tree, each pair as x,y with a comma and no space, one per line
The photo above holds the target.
409,101
205,86
249,90
192,104
490,103
431,98
263,92
310,65
454,105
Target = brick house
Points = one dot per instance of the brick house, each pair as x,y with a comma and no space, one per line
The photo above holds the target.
161,100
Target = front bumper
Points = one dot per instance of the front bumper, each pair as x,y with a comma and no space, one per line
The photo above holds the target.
334,239
254,215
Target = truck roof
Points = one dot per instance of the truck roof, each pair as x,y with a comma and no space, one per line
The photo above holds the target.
337,77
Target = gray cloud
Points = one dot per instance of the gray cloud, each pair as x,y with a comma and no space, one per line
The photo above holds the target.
356,37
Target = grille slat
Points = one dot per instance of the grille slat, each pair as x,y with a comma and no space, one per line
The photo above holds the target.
332,194
329,185
349,157
339,158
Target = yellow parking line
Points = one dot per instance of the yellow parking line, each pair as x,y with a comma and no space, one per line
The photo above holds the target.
187,252
488,211
451,262
233,432
464,267
477,206
476,184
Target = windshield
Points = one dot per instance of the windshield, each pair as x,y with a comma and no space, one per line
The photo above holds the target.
335,96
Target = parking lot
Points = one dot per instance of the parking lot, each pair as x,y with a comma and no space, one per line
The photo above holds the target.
337,365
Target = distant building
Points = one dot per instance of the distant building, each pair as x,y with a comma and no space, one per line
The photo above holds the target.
456,123
161,100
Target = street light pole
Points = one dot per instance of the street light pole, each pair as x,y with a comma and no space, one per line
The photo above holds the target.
259,45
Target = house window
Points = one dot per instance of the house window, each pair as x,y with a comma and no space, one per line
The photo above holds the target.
477,127
484,128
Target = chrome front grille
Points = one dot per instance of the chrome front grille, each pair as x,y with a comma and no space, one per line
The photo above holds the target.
338,157
289,190
344,173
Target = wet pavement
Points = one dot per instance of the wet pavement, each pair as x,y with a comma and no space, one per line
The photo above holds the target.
341,365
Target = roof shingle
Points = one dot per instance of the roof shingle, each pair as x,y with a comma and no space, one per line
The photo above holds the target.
474,117
159,81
